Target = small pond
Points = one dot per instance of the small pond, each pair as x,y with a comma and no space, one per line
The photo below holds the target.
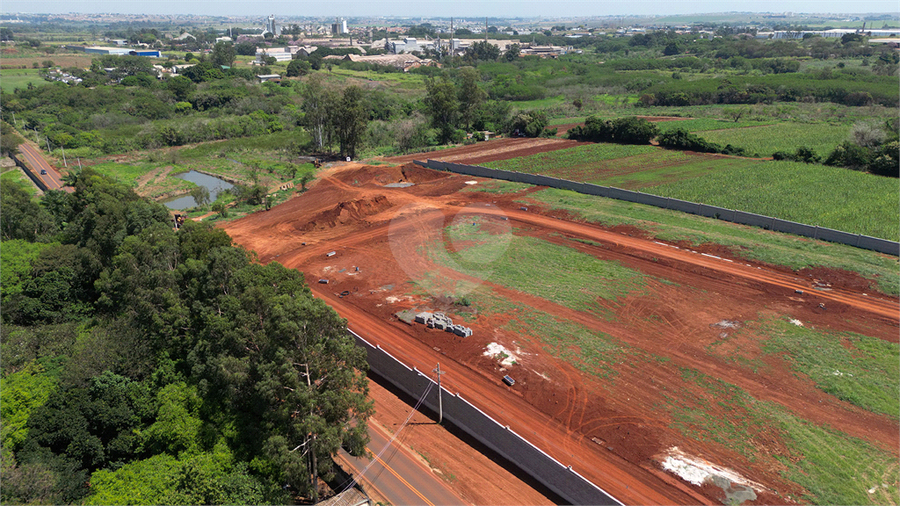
211,183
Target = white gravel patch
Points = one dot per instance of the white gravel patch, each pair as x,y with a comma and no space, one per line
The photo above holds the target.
696,470
493,350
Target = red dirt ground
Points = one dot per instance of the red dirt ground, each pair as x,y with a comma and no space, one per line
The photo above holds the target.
612,432
498,149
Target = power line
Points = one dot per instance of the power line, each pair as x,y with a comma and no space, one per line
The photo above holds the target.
415,409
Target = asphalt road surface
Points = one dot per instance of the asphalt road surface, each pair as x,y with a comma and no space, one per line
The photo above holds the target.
397,476
35,160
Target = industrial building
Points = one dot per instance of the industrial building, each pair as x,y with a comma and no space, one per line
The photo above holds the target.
121,51
271,27
279,53
339,27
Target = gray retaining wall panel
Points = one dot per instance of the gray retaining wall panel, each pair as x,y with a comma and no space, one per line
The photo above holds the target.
719,213
827,234
598,190
652,200
683,206
757,220
537,464
620,194
795,228
880,245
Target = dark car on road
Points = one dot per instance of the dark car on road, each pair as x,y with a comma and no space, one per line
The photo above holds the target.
43,172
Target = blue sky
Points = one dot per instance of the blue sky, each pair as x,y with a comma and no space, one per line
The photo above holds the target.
458,8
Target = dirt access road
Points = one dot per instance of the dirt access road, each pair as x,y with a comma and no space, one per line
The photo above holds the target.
614,433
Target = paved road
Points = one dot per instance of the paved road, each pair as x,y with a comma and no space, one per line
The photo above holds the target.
397,476
35,160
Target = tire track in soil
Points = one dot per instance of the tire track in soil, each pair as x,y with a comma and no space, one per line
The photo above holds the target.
630,481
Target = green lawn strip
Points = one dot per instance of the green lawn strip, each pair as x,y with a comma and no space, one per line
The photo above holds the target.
703,124
592,352
127,173
859,369
819,195
260,145
15,176
541,103
750,242
556,273
546,163
10,79
622,166
496,186
765,140
643,171
833,467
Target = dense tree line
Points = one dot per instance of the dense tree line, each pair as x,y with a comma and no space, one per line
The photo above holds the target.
145,365
627,130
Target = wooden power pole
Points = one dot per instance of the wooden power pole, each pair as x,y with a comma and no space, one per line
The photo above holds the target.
440,402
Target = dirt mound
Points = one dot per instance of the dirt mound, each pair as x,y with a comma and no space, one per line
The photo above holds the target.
347,212
417,174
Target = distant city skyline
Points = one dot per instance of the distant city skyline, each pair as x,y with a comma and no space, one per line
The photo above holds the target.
458,8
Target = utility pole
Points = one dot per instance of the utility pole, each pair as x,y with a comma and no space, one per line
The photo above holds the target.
49,151
64,156
79,164
312,448
440,403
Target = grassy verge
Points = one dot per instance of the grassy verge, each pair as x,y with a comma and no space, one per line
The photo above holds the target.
749,242
536,267
833,467
14,176
497,186
859,369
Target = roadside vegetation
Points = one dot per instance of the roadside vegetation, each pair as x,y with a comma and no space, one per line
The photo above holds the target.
131,364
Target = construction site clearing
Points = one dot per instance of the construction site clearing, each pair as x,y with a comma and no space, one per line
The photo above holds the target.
618,421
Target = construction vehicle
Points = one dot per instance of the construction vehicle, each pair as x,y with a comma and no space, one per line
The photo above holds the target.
317,163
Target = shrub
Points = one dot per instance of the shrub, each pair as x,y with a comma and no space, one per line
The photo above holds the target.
629,130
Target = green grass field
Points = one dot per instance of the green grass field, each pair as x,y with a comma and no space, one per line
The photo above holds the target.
622,166
497,186
704,124
830,197
833,467
818,195
581,156
767,139
750,242
13,175
512,261
10,79
859,369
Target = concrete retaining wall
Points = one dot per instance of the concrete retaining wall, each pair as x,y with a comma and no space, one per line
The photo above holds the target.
31,175
720,213
561,479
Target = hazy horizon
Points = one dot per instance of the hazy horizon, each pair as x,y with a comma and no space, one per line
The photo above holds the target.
460,8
